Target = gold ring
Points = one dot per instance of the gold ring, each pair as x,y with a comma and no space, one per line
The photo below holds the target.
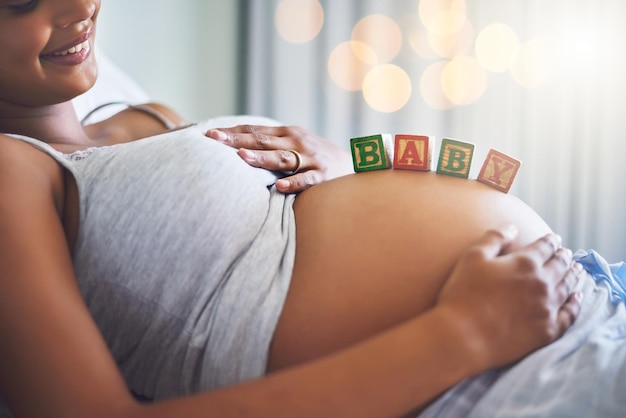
298,162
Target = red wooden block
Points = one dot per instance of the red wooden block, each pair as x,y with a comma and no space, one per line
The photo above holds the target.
412,152
499,171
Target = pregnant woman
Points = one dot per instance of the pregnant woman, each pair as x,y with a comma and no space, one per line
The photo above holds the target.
142,260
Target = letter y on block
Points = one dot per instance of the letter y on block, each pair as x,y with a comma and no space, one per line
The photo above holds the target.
499,171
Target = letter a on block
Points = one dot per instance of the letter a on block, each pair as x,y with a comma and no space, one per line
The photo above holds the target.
499,171
412,152
455,158
369,153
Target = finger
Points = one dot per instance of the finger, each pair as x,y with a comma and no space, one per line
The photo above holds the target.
252,137
278,160
569,312
544,248
494,241
561,260
251,129
568,283
299,182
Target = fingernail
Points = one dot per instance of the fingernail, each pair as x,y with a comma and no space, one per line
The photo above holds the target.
247,155
510,231
577,266
217,134
579,296
282,184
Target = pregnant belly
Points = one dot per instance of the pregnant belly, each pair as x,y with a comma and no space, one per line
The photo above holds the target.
373,249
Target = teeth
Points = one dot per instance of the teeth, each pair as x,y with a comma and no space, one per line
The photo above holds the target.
74,49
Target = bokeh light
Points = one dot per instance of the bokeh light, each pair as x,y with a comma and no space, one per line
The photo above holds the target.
349,63
387,88
420,44
381,33
534,65
442,16
496,46
464,80
431,87
299,21
457,59
447,23
452,44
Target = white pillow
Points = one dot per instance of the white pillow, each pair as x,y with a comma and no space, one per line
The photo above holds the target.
114,85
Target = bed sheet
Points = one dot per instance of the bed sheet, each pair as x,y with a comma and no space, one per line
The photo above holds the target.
583,374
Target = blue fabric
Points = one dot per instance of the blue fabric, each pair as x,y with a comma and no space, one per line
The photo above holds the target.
613,274
582,374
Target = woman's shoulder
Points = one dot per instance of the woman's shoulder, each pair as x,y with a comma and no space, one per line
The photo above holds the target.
23,153
26,170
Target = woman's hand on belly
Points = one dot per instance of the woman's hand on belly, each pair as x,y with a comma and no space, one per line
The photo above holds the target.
511,303
306,158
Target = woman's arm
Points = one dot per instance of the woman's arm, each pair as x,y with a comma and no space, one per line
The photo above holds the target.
268,147
407,366
54,362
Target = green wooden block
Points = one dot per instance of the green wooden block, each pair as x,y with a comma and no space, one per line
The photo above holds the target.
455,158
370,152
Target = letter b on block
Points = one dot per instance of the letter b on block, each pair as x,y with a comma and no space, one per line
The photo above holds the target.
455,158
369,153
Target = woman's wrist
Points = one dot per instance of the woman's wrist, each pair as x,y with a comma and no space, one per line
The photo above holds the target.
462,342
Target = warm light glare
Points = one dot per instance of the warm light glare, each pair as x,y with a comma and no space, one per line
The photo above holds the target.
447,23
533,66
464,80
452,44
381,33
496,46
349,63
442,32
299,21
431,87
419,42
442,16
387,88
583,48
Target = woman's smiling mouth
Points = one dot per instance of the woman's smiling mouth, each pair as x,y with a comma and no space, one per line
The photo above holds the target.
71,54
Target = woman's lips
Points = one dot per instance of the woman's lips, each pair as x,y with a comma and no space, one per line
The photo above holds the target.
71,54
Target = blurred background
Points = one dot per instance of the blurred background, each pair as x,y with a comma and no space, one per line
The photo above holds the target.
542,81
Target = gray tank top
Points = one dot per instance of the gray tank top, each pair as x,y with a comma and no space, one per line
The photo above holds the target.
184,256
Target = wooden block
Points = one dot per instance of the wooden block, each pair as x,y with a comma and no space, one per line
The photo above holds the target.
499,170
455,158
412,152
370,152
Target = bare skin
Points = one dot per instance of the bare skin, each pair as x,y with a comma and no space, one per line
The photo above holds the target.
374,250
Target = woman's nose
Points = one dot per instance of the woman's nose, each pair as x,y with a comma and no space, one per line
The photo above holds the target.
70,12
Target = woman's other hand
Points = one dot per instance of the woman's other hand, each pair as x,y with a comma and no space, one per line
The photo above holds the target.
511,303
304,157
